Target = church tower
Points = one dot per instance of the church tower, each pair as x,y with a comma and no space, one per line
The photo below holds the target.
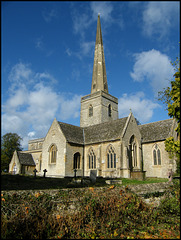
99,106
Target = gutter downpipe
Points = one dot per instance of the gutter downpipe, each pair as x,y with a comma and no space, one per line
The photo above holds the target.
83,156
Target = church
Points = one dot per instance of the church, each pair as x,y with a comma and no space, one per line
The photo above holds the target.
114,147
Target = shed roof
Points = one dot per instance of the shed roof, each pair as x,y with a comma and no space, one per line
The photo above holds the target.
26,159
156,131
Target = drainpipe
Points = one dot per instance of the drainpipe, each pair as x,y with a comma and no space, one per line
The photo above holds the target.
83,156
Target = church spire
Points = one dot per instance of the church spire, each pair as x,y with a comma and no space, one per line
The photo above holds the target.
99,78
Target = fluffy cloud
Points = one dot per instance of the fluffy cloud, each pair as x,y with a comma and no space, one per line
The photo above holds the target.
154,67
159,17
48,15
104,8
31,106
141,107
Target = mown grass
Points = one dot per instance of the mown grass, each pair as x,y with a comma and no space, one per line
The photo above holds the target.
87,213
26,182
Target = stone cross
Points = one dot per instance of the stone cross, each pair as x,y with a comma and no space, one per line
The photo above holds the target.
44,172
35,171
75,170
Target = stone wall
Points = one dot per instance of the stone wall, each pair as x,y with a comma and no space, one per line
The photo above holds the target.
160,171
99,101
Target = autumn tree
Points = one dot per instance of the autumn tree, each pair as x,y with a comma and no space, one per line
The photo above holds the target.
171,97
9,143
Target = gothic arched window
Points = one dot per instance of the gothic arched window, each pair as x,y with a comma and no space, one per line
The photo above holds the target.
90,111
109,110
53,154
156,155
111,157
92,159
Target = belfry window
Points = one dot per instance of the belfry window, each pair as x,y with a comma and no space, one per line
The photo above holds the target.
156,155
90,111
111,158
53,154
92,159
109,110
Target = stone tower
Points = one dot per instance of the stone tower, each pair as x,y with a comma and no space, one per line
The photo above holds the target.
99,106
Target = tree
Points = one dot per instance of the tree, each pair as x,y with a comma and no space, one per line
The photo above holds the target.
9,143
171,97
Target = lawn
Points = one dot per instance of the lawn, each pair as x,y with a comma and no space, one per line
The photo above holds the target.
25,182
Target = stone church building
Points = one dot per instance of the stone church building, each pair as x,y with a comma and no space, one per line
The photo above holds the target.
115,147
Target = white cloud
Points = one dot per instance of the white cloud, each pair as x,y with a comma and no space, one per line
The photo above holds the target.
70,107
154,67
48,15
104,8
141,107
159,17
30,110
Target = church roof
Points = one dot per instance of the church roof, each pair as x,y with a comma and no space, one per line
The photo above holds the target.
108,131
26,159
73,134
156,131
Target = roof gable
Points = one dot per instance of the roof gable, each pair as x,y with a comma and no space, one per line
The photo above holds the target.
26,159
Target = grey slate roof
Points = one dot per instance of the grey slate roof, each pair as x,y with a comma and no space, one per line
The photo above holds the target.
26,159
110,131
107,131
155,131
73,134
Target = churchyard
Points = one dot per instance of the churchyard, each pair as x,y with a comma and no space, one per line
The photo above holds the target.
54,208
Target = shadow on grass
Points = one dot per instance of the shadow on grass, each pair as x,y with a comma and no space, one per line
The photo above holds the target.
25,182
22,182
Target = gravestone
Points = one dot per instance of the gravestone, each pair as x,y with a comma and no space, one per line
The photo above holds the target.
35,171
93,174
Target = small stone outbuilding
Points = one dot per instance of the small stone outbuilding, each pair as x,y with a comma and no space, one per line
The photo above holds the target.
22,163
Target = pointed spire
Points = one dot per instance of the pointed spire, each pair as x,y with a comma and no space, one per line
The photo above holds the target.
99,78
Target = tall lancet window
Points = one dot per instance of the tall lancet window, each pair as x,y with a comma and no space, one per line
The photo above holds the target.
90,111
92,159
52,154
156,155
111,157
109,110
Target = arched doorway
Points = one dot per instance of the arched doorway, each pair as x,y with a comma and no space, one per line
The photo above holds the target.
133,159
76,161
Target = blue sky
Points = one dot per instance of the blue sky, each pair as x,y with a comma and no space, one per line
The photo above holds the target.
47,53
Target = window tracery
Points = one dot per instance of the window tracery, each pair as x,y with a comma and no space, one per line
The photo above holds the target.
92,159
111,157
156,155
52,154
